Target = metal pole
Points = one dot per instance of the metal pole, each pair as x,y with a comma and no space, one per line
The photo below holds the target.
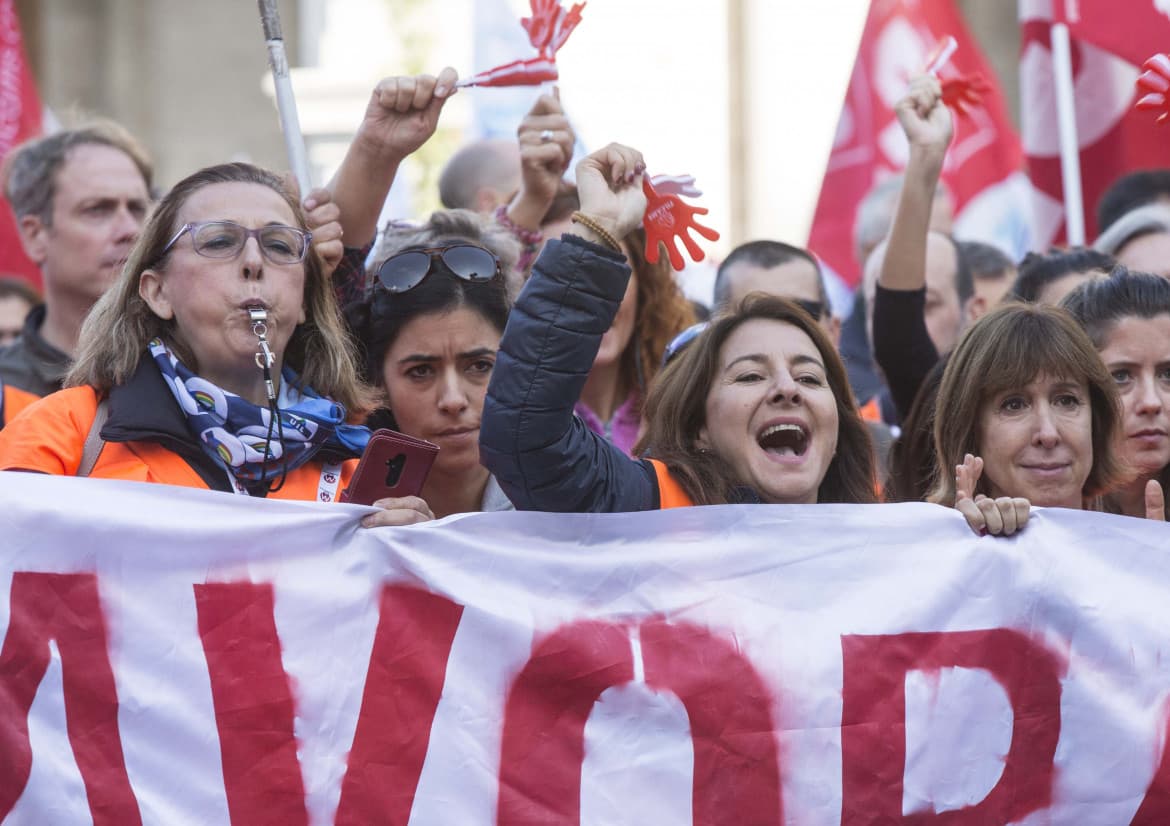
286,103
1070,153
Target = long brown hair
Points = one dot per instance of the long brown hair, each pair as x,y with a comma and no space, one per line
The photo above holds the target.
663,313
116,332
1008,348
677,403
663,310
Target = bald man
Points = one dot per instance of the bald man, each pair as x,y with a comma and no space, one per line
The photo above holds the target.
481,176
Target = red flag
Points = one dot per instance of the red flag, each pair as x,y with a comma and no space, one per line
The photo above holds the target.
20,118
1135,29
983,165
1114,138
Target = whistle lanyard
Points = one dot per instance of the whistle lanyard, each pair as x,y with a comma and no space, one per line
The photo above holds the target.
327,484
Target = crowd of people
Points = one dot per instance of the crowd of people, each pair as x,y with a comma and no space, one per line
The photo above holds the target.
233,336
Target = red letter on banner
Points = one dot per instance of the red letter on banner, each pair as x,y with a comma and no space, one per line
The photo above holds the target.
873,722
1155,808
408,666
736,774
65,608
544,721
253,703
737,771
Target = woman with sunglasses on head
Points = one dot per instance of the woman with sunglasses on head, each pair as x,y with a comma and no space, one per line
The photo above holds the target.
428,329
218,360
756,409
1127,316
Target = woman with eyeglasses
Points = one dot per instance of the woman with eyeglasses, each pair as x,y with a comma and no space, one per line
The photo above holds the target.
218,360
756,409
429,328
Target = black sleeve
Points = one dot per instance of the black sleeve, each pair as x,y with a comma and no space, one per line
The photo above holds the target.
901,343
349,279
543,456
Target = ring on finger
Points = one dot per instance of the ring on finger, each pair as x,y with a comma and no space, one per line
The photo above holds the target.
546,135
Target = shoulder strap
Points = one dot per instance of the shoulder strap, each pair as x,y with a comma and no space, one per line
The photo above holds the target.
93,440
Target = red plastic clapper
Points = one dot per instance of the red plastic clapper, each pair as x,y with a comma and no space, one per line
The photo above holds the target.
668,216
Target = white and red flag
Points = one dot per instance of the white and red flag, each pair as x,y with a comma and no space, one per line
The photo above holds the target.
1110,41
984,162
20,118
176,656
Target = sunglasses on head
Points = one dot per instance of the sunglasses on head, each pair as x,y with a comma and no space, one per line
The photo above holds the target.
682,341
814,308
406,270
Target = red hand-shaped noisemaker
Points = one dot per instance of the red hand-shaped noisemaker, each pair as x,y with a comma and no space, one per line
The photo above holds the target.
548,28
1155,82
958,93
667,216
962,93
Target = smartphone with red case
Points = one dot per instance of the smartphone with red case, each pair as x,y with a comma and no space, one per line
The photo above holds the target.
393,464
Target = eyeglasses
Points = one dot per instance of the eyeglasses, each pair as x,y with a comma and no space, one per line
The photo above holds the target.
225,239
814,308
681,341
406,270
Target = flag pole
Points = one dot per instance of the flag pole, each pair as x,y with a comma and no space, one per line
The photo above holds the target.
286,103
1066,118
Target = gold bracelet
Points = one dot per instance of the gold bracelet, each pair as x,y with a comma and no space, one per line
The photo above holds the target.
592,224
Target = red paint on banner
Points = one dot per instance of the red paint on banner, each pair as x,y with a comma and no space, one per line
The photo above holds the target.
408,665
1155,808
64,608
737,772
736,768
544,721
253,703
873,722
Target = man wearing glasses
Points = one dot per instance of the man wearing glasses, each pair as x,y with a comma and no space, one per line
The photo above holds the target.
80,197
779,269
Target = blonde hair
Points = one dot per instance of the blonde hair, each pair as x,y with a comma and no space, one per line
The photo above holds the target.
115,335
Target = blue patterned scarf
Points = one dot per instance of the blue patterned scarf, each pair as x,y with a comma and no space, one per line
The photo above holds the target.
235,433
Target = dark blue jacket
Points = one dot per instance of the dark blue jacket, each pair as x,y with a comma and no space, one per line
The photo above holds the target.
543,456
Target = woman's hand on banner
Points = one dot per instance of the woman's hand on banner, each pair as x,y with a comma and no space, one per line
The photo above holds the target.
393,512
1003,516
1155,501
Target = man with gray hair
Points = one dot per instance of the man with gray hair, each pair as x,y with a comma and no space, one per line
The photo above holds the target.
80,197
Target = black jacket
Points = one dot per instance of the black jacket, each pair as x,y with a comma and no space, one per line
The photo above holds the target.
30,362
543,456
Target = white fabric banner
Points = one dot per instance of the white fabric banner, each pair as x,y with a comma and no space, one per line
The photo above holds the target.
174,656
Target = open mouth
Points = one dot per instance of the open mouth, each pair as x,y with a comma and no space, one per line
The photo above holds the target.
784,439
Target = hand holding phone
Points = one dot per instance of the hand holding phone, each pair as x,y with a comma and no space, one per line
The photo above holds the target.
393,465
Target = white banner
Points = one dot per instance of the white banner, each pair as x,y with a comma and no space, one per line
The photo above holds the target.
173,656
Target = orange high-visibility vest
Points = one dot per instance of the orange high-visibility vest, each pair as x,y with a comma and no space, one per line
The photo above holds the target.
12,401
670,492
50,438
